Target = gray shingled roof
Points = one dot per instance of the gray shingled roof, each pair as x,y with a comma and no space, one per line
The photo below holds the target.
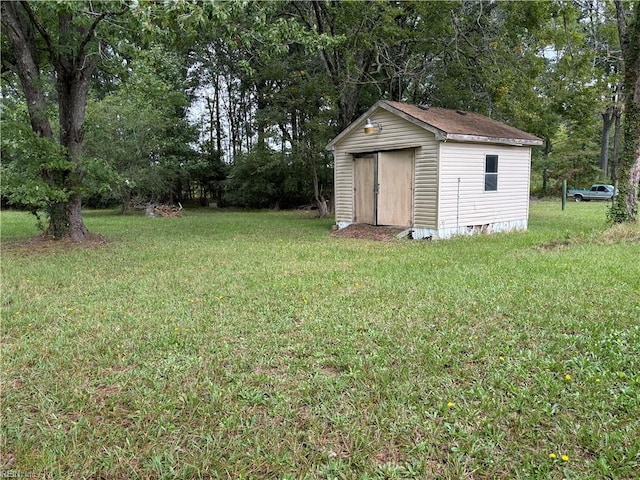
456,122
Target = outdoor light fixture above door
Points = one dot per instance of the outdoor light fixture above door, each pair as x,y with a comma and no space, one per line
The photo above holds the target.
370,127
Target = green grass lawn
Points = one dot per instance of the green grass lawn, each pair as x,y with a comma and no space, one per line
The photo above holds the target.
254,345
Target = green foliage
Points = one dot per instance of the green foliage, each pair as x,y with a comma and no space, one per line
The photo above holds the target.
25,157
575,157
264,178
139,130
578,83
208,172
102,185
617,213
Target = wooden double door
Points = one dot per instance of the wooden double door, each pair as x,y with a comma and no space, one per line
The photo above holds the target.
383,188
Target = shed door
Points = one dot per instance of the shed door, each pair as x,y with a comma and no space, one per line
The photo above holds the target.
364,173
395,188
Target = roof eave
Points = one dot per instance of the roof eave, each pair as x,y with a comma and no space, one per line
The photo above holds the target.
520,142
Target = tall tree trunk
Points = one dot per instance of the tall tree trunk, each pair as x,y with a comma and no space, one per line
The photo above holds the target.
607,122
615,161
321,202
233,116
72,87
216,93
630,158
261,105
546,173
210,109
21,40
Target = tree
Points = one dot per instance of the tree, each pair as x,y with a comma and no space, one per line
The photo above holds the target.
350,54
72,43
579,47
260,69
628,21
140,128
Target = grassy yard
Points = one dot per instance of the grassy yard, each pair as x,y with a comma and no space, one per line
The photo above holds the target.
254,345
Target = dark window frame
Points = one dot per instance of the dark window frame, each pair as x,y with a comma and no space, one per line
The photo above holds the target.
490,173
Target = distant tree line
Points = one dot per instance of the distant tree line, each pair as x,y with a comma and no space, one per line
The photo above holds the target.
233,102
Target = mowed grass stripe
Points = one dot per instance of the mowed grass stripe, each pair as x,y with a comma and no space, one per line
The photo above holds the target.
254,345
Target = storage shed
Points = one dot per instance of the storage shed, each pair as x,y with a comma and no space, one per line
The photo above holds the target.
434,171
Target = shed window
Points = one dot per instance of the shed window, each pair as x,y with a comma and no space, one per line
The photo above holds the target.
491,173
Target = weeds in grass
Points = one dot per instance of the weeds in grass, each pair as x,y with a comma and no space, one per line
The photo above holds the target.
255,345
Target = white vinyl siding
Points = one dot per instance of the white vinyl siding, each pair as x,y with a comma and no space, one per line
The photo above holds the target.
470,205
396,134
425,209
343,186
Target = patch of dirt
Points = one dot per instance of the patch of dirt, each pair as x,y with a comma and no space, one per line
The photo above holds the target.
369,232
46,244
388,455
553,245
104,392
620,233
7,459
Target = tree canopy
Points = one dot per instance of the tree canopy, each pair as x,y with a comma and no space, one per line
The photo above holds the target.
233,102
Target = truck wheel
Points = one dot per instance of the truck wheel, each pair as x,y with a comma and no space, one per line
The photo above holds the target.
578,198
